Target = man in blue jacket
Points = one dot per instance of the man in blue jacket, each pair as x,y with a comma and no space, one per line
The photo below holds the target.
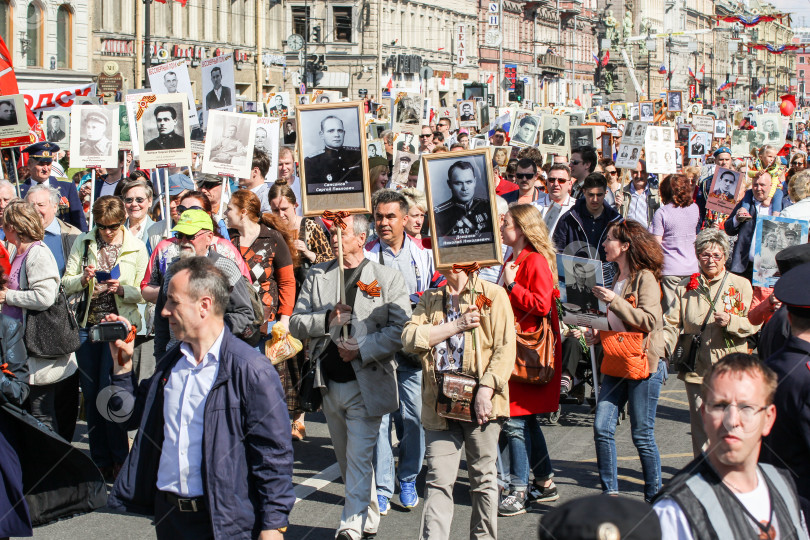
213,454
743,223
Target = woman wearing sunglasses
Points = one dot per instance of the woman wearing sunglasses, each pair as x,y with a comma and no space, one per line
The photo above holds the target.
138,195
108,262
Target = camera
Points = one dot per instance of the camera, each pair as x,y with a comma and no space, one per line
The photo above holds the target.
109,332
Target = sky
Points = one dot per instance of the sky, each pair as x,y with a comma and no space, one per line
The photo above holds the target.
800,9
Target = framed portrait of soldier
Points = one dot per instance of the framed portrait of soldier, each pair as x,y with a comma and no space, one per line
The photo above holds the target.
524,130
266,140
229,144
619,110
94,137
770,125
674,100
720,129
577,276
606,140
699,143
334,158
646,113
405,142
163,133
56,125
634,114
288,133
173,78
468,113
13,118
408,112
218,85
725,188
464,218
772,235
125,135
278,105
634,133
627,156
582,136
554,135
376,148
403,161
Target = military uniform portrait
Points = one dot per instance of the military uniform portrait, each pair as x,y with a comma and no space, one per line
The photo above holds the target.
554,134
407,112
163,133
266,140
278,105
581,136
13,119
229,144
646,111
56,125
467,116
523,132
94,139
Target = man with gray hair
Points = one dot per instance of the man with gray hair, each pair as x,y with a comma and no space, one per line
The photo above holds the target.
59,236
353,342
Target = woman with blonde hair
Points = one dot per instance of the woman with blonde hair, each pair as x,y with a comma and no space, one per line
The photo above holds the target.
530,277
379,177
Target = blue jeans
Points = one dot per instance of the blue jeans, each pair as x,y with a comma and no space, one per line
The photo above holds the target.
412,442
525,438
108,441
642,399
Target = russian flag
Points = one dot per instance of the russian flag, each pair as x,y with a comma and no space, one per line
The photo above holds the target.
662,69
760,91
691,73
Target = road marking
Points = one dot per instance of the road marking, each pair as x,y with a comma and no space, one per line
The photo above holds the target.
671,400
635,458
316,482
681,391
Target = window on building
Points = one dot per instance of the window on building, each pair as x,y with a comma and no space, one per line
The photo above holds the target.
801,59
342,20
801,74
5,22
300,20
64,37
34,20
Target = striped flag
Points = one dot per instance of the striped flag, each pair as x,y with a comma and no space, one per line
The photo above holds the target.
691,73
662,69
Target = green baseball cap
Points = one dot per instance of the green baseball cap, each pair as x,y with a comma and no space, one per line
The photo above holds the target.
193,221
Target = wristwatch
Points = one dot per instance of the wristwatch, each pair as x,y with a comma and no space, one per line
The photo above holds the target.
509,287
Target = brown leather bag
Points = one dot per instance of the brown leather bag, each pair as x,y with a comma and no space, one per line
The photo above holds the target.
456,396
535,354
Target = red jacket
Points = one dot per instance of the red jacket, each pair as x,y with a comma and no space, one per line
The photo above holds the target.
531,300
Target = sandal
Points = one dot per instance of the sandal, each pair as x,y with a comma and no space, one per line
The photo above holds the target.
299,431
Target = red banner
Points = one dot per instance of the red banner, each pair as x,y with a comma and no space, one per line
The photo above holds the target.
52,98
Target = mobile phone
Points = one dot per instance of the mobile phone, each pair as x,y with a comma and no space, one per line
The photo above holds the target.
108,332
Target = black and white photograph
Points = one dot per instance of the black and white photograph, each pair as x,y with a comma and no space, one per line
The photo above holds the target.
468,113
56,125
581,136
375,130
403,161
229,144
720,129
635,133
627,156
163,133
405,142
646,112
321,97
606,141
577,277
772,235
124,128
770,125
426,110
278,105
461,200
267,141
634,112
554,135
619,110
607,118
725,186
173,78
575,118
376,148
13,118
408,112
133,102
674,100
218,85
333,155
288,133
703,122
94,137
524,130
741,142
660,150
303,99
699,143
695,108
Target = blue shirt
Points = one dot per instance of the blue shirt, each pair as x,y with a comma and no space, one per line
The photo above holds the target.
53,239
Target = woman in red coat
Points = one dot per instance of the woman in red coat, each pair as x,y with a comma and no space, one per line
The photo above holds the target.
530,276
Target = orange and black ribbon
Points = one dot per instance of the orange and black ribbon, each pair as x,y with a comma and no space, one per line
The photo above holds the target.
133,331
336,217
466,268
482,301
372,289
4,369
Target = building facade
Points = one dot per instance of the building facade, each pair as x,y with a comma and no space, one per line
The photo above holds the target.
802,37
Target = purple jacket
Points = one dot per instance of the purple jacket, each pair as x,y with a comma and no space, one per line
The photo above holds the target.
247,446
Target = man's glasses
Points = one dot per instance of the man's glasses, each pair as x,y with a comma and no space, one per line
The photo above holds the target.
560,181
113,227
574,162
189,237
425,136
130,200
525,176
722,410
181,208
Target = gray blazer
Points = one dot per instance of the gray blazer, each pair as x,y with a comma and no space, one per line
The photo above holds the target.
377,324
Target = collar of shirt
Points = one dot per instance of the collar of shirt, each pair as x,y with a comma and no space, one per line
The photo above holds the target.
211,356
54,228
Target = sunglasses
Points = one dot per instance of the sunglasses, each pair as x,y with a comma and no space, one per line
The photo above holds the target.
181,208
130,200
611,173
524,176
574,162
426,136
113,227
189,237
557,180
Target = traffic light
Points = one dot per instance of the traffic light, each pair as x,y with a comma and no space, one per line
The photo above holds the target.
519,90
316,34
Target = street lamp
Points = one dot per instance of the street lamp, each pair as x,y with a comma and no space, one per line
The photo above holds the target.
650,43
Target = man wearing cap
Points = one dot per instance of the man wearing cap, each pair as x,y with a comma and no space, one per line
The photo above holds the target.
94,140
211,186
724,493
40,159
788,444
179,184
194,236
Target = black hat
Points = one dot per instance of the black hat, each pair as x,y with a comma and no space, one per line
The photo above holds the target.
601,516
207,180
790,290
44,151
792,256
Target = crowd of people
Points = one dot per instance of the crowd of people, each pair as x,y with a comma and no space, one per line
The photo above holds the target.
393,343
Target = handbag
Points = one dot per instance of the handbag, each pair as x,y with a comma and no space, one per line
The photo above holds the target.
53,332
309,396
624,355
684,356
535,354
456,396
78,302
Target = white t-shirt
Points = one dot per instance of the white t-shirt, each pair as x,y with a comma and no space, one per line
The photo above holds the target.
674,525
616,324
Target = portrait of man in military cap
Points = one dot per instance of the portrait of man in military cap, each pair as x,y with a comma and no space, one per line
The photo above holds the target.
462,208
772,235
95,133
94,136
334,148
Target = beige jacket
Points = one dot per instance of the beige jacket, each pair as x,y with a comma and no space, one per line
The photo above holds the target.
496,336
689,310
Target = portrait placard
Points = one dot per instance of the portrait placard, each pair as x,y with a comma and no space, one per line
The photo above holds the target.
501,155
321,97
125,131
635,133
266,140
173,78
699,143
607,145
660,150
333,157
741,142
131,100
582,136
376,148
13,118
720,129
218,85
773,234
726,186
674,100
278,105
163,132
683,133
524,129
229,144
646,113
94,137
288,133
461,202
628,155
703,122
375,129
405,142
56,125
577,278
770,125
468,113
403,161
634,115
554,136
619,110
695,108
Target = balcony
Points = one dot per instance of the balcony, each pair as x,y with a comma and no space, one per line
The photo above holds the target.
570,7
551,64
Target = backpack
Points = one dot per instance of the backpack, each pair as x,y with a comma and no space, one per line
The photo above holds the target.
252,334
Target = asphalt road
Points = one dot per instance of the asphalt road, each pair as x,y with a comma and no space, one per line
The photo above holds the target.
320,491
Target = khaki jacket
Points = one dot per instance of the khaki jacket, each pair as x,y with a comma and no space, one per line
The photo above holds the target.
496,336
688,311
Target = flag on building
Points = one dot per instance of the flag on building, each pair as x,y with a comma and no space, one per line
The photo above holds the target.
489,79
691,73
606,58
662,69
723,86
596,59
182,2
759,91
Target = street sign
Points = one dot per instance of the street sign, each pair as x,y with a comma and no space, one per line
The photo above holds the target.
426,73
506,84
303,88
493,7
494,20
363,92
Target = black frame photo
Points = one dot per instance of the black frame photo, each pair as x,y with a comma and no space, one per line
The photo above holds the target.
461,202
672,105
163,133
333,177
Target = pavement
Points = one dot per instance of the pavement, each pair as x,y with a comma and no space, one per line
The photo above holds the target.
319,490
